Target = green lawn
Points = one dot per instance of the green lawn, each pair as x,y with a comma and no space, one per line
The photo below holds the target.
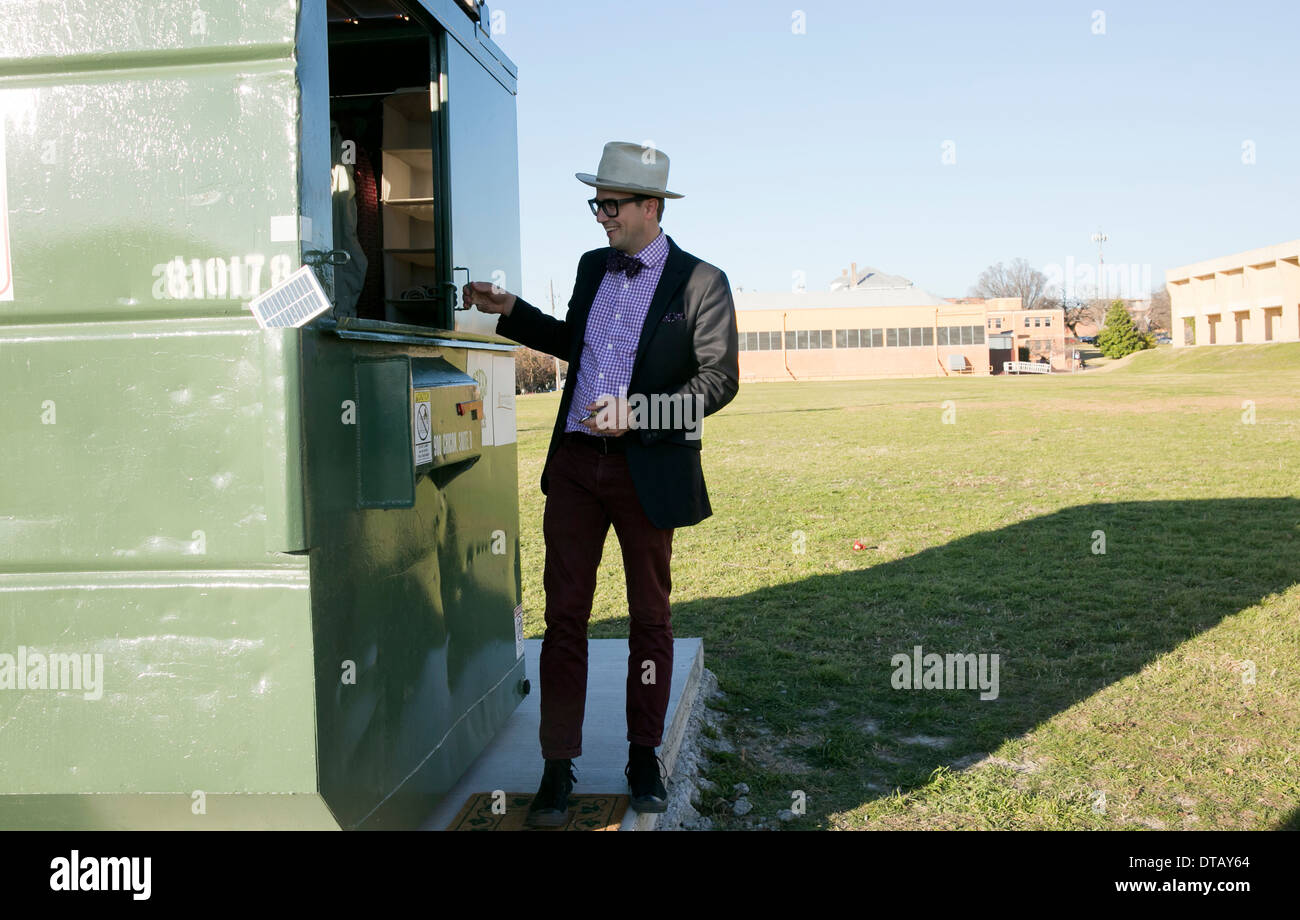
1125,691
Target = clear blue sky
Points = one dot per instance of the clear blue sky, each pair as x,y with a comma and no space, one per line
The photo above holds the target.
809,151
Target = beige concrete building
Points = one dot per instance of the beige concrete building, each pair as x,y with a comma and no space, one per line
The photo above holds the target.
1248,298
1041,333
887,327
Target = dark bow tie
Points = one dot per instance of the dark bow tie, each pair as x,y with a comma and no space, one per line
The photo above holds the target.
622,262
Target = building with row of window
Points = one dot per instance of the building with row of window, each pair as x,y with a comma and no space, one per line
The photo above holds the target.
1246,298
877,325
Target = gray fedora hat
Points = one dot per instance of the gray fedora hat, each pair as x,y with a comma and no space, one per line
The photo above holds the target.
636,168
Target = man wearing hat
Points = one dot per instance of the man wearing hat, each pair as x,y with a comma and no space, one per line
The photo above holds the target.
647,323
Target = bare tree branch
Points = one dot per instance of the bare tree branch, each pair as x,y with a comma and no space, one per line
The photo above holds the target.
1020,279
1160,316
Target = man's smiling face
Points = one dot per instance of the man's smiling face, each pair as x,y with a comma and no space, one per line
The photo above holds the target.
634,228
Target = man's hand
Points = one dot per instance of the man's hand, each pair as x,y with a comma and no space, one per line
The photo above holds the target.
488,297
611,412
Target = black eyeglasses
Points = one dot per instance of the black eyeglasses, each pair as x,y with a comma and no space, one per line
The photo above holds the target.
610,205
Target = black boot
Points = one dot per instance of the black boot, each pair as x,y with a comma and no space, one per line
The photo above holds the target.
644,774
550,807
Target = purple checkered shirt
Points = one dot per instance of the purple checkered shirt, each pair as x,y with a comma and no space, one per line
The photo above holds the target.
613,331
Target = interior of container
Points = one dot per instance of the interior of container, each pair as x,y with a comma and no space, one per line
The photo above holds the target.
388,212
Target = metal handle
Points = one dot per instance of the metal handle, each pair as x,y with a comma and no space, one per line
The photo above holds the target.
455,301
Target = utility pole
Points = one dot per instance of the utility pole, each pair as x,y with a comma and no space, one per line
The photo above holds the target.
1100,238
557,360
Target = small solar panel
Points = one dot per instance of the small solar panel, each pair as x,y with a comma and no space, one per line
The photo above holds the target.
295,302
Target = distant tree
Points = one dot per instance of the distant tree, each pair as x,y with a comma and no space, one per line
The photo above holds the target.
1020,279
1076,311
1160,316
535,371
1088,312
1119,336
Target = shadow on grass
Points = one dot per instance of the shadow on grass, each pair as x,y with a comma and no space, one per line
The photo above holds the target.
811,660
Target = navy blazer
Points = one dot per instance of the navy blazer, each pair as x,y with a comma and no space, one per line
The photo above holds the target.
694,352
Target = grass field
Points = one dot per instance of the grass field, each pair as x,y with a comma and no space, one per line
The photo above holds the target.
1153,685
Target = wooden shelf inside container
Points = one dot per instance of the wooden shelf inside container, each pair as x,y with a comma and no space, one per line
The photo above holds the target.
407,197
418,208
415,157
414,256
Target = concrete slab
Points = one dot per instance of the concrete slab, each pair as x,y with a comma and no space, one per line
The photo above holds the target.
513,761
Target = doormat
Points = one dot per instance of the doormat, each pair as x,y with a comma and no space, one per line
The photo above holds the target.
586,813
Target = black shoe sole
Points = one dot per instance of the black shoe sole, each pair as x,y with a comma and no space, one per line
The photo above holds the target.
549,818
649,806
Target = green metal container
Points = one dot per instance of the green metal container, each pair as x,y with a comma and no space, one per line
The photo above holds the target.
249,577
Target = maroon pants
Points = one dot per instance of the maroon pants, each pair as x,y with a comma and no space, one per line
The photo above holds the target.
587,491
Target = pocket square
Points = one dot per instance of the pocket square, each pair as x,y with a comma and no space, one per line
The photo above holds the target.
673,318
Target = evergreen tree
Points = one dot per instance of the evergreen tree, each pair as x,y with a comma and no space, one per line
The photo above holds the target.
1119,336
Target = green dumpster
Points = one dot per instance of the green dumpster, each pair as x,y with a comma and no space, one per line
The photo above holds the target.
253,577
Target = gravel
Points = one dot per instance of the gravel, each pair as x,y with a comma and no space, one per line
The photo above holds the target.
686,785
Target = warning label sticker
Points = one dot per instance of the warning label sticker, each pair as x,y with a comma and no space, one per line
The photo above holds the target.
6,264
422,426
519,632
